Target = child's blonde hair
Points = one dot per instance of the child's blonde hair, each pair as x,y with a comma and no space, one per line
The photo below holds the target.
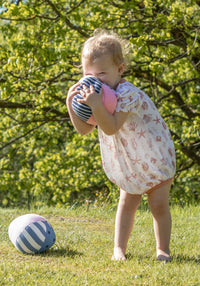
103,43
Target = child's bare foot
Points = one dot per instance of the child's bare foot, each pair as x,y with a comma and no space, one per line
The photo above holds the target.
118,254
163,256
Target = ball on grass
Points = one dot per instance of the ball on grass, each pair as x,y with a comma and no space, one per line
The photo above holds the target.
109,99
31,234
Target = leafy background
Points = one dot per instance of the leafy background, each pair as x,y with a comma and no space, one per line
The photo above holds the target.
43,161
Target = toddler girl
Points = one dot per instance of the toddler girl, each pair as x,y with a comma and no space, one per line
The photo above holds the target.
136,146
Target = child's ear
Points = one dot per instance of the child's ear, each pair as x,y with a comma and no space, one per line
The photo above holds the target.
121,68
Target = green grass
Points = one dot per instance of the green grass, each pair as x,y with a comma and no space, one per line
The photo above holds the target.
81,255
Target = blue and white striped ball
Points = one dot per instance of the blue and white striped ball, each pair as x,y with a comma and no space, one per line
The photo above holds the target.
31,234
82,110
109,99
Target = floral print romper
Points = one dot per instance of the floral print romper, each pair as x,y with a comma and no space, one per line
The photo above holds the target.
140,156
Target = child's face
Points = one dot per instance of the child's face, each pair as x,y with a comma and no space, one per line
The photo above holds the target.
104,69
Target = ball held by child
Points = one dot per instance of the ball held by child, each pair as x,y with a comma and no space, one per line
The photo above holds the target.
109,99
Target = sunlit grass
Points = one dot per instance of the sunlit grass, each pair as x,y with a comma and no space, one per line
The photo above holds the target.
81,255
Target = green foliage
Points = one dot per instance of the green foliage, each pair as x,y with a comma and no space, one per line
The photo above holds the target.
42,159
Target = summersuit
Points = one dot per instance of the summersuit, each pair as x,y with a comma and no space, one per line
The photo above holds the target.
140,156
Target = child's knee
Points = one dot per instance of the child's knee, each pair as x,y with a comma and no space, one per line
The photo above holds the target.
159,201
128,200
159,208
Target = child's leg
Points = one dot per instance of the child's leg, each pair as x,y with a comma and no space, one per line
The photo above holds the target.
159,206
127,207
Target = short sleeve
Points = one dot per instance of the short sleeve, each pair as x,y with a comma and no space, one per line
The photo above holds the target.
128,99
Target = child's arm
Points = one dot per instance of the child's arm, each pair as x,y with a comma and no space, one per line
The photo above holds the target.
81,127
109,123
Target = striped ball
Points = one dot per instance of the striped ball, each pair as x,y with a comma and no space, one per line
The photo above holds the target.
82,110
31,234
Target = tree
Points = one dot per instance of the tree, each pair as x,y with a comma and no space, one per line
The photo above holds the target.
42,158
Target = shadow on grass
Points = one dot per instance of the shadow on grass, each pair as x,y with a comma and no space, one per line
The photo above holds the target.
179,258
57,252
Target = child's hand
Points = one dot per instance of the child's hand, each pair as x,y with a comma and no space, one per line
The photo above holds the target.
81,126
90,96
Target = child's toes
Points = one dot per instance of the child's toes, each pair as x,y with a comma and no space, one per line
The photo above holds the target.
118,258
164,258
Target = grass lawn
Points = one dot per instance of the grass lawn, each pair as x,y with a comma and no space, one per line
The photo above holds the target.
82,252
